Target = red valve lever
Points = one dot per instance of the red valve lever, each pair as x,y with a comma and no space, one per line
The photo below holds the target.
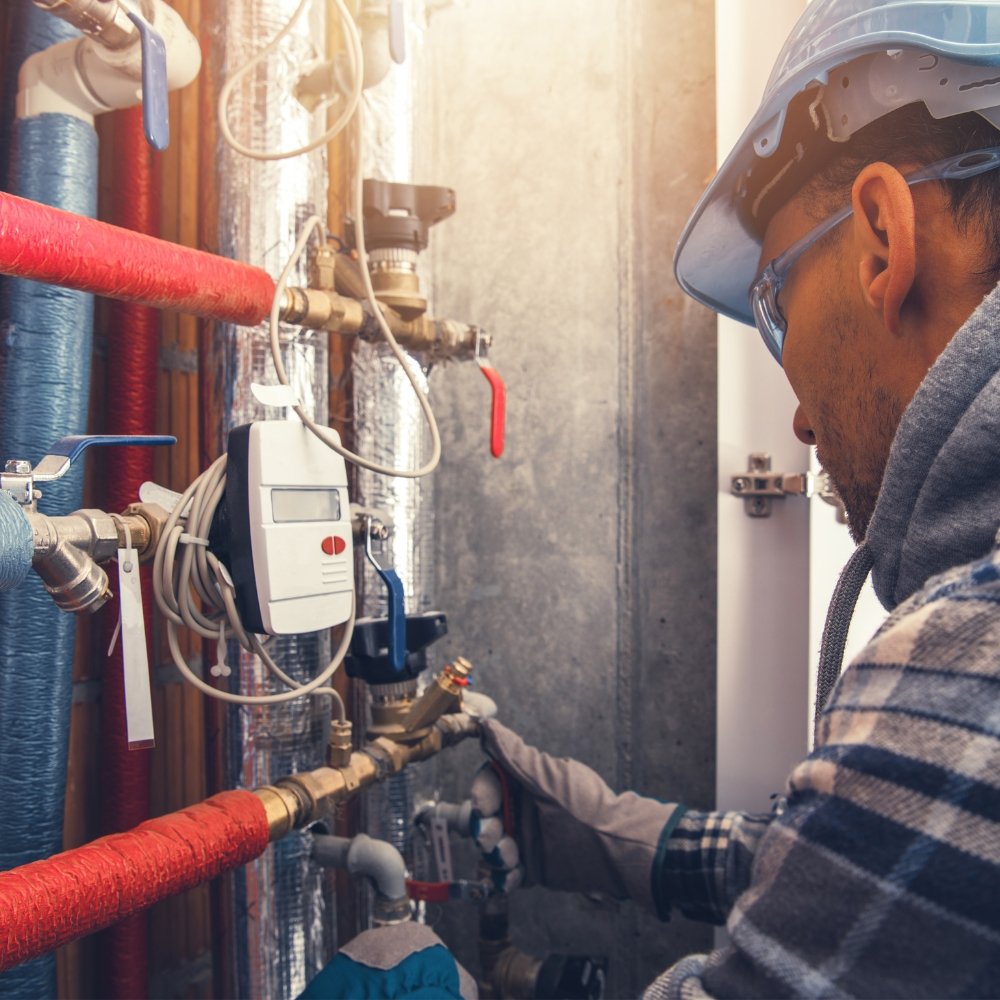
498,416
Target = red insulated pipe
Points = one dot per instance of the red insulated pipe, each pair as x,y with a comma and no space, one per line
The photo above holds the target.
48,903
60,248
132,369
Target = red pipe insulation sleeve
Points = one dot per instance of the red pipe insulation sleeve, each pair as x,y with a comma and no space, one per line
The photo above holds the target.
60,248
47,903
130,408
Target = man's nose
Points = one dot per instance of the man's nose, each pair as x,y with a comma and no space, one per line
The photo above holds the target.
802,426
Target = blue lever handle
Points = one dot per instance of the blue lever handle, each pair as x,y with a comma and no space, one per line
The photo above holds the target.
72,446
397,618
66,450
155,110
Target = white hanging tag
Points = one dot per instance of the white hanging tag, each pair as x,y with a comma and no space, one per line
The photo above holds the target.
442,849
274,395
135,662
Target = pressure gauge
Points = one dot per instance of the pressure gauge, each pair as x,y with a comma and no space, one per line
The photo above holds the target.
290,546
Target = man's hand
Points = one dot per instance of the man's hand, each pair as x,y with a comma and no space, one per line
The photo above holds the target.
564,827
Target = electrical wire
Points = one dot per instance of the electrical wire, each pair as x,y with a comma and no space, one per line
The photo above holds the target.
314,223
355,60
199,574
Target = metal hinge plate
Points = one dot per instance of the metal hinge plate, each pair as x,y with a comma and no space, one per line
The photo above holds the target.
758,486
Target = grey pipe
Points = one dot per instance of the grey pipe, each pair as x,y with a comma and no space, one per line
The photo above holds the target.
17,543
457,815
365,856
374,859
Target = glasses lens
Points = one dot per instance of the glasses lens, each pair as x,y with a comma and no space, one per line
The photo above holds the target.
767,314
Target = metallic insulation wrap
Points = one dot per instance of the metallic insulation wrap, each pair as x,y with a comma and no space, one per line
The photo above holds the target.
279,902
46,337
389,426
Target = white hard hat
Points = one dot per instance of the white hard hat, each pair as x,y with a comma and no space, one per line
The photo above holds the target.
845,64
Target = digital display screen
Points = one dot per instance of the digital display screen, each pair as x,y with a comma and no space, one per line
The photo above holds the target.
305,505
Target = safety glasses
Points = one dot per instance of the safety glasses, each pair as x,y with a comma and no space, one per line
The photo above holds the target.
765,290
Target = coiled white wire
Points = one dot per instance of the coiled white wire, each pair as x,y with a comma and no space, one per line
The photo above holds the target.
197,573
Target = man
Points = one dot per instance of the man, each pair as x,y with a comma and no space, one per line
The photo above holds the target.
857,225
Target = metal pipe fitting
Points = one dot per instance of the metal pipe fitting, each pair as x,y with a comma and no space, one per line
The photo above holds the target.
67,552
301,799
322,309
104,20
442,695
68,549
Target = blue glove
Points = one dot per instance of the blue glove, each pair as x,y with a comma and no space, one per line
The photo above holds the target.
396,961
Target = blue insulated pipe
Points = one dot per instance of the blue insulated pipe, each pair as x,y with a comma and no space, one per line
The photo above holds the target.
46,335
17,543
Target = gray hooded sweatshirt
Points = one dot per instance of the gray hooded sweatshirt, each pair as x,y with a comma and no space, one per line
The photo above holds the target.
879,874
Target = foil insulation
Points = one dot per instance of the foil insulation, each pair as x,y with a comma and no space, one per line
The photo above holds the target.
389,425
280,937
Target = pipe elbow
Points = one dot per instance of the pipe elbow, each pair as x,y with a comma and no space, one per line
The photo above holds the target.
83,77
379,861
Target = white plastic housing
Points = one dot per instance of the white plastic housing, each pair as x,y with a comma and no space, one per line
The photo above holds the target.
301,586
83,78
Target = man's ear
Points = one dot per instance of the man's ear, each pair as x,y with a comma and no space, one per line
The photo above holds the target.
885,238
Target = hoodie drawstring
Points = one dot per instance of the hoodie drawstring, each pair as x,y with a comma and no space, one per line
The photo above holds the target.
838,623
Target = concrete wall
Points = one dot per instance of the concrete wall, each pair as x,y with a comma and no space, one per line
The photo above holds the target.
578,572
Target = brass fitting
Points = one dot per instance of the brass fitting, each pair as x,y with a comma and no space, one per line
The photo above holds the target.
442,695
515,974
282,808
145,522
319,309
300,799
322,265
338,751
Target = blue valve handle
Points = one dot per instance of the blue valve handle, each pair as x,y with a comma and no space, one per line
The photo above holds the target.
397,610
397,618
66,450
155,113
72,446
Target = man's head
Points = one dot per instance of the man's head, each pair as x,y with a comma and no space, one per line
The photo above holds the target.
866,100
870,306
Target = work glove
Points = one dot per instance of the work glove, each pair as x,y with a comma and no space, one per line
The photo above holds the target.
398,960
564,827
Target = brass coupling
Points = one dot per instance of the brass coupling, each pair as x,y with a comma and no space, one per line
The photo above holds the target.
300,799
441,696
321,309
324,309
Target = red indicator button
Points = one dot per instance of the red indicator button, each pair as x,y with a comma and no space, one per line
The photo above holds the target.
334,545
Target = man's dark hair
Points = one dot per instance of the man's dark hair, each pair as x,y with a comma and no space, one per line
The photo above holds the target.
910,135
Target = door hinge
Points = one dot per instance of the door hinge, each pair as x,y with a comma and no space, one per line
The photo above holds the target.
758,486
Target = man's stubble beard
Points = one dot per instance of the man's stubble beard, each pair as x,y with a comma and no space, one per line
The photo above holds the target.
857,469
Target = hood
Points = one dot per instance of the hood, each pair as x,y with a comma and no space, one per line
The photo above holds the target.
939,505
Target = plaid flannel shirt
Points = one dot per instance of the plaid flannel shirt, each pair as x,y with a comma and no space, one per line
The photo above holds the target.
879,874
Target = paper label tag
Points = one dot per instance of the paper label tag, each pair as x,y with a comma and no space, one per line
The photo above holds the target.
442,849
274,395
135,662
